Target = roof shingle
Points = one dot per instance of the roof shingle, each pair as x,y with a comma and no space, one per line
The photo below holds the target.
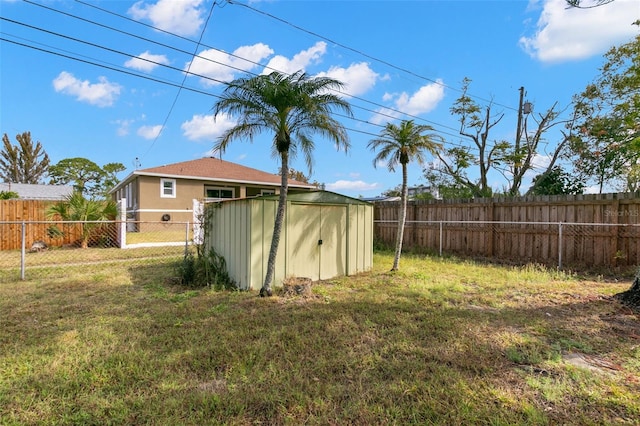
216,169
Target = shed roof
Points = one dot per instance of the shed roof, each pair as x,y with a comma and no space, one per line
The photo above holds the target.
317,197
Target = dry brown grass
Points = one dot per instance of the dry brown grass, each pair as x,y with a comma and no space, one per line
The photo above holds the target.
439,342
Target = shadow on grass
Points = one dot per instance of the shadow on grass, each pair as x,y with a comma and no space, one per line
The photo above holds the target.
357,354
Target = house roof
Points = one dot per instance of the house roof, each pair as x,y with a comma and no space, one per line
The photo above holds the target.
214,169
28,191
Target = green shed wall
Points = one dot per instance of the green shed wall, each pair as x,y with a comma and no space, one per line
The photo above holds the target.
241,231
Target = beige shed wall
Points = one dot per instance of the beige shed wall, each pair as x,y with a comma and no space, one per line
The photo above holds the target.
241,232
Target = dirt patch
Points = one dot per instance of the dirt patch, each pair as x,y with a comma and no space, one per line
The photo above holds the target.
216,386
297,286
590,362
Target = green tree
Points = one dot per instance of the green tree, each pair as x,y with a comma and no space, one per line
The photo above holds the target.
296,175
606,141
86,176
556,182
475,126
86,211
8,195
23,163
447,187
401,144
480,156
292,107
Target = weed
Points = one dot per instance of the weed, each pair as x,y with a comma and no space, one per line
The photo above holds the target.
205,270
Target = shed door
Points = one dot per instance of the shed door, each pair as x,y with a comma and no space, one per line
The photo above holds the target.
317,243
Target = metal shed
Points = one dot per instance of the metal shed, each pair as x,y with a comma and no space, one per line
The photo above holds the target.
325,235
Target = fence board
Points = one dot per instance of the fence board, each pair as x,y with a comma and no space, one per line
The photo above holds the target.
614,239
35,213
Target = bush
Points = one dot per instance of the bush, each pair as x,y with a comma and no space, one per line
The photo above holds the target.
205,270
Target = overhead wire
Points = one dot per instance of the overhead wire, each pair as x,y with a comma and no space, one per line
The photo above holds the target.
457,135
360,52
274,69
102,65
184,79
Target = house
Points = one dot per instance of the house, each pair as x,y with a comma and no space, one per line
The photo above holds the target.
27,191
415,191
167,193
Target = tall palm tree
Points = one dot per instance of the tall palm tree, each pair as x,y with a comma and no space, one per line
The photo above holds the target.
292,107
402,144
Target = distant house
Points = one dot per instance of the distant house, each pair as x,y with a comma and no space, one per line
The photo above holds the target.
28,191
412,193
415,191
166,193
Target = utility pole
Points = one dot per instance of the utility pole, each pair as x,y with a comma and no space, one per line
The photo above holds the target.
519,125
516,146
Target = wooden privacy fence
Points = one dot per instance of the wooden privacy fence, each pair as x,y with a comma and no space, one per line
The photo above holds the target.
589,230
31,214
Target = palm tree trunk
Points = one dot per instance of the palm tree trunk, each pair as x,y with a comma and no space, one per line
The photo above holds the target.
401,219
277,226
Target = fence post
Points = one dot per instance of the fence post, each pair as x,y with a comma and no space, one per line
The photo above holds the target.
440,238
186,239
560,245
122,229
23,251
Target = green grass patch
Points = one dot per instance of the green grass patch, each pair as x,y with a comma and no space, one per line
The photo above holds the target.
441,341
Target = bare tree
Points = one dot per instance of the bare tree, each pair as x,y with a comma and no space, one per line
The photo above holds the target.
23,163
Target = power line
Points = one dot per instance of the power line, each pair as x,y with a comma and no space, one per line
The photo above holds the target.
184,79
273,69
120,52
206,77
359,52
112,68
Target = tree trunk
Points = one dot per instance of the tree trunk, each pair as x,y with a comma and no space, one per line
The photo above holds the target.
631,297
401,219
277,226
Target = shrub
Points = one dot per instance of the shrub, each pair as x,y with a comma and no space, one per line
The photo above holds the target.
205,270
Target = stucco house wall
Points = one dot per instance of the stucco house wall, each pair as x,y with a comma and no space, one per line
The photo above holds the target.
166,193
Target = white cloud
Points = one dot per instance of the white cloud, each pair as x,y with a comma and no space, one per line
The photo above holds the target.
204,127
101,94
352,185
300,61
183,17
123,126
571,34
357,78
145,61
149,132
421,102
222,66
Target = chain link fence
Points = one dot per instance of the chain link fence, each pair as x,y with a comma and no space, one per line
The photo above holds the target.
41,249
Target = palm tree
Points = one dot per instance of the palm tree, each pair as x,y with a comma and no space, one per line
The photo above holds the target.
401,144
292,107
87,212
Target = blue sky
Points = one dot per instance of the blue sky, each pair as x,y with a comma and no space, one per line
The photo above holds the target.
399,57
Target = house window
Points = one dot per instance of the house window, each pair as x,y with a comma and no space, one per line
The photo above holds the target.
267,192
212,192
167,188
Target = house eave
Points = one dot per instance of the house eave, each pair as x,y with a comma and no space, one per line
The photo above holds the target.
206,179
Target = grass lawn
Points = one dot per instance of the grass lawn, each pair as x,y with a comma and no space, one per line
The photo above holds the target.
439,342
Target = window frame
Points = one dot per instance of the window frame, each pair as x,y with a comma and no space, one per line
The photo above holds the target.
173,188
219,188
